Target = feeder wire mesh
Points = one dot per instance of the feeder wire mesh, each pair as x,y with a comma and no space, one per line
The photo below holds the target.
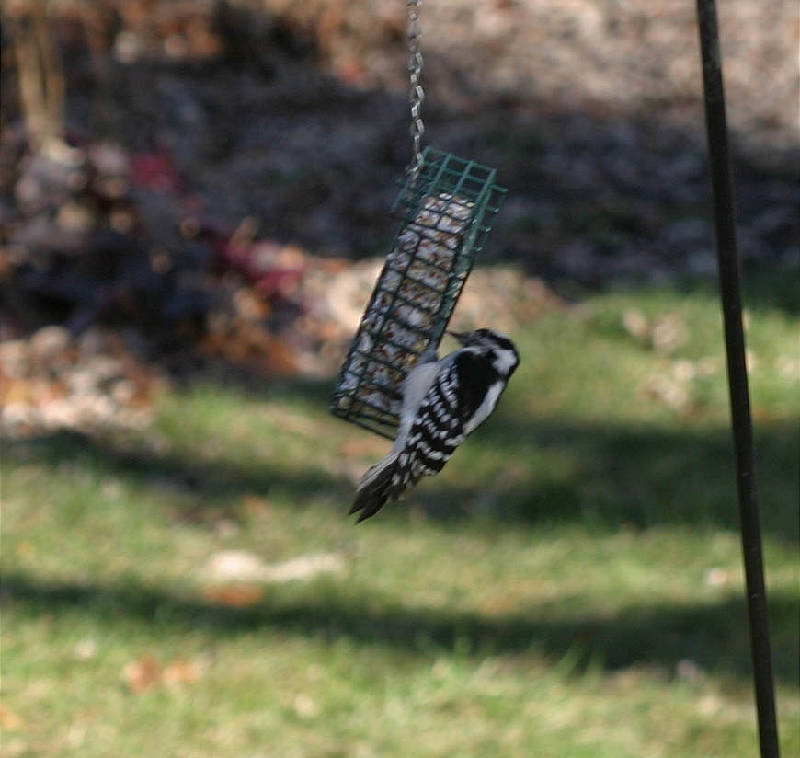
446,208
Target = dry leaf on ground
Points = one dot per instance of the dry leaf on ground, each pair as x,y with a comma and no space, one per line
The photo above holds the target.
234,596
142,674
9,719
147,673
243,566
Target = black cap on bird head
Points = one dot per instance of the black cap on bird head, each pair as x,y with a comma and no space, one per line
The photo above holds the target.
474,337
488,339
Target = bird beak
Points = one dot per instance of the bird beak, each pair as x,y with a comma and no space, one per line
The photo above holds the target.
460,336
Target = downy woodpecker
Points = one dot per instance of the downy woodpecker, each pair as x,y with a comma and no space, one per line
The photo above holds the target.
444,401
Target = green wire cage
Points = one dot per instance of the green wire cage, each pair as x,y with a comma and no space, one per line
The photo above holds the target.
447,211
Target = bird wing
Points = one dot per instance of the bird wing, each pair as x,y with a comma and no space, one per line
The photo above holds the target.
452,409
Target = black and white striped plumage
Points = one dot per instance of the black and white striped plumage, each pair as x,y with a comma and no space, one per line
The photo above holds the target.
444,401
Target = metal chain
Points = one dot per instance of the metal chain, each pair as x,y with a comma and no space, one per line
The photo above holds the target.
416,93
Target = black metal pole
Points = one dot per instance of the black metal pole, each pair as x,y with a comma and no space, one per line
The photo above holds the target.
728,266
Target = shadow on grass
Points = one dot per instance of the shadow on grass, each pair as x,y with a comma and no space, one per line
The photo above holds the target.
711,635
639,476
212,484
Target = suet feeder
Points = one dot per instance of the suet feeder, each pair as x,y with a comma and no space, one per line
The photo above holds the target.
446,207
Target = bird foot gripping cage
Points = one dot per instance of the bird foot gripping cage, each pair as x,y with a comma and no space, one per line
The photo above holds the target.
446,207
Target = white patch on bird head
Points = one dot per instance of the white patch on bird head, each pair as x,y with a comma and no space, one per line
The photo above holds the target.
505,361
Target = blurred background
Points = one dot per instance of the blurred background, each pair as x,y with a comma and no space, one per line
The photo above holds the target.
194,198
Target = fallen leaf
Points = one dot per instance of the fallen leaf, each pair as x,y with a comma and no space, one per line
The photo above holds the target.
716,577
236,565
243,566
16,392
255,505
635,323
85,649
500,604
305,567
142,674
181,671
280,357
236,597
668,333
9,719
305,707
669,391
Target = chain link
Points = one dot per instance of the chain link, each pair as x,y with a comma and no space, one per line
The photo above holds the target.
416,93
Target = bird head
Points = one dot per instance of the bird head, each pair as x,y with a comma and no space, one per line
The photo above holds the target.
505,354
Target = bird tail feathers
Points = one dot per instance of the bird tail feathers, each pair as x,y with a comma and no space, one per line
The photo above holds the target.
375,487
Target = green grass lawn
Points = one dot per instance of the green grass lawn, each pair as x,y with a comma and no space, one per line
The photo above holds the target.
570,585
